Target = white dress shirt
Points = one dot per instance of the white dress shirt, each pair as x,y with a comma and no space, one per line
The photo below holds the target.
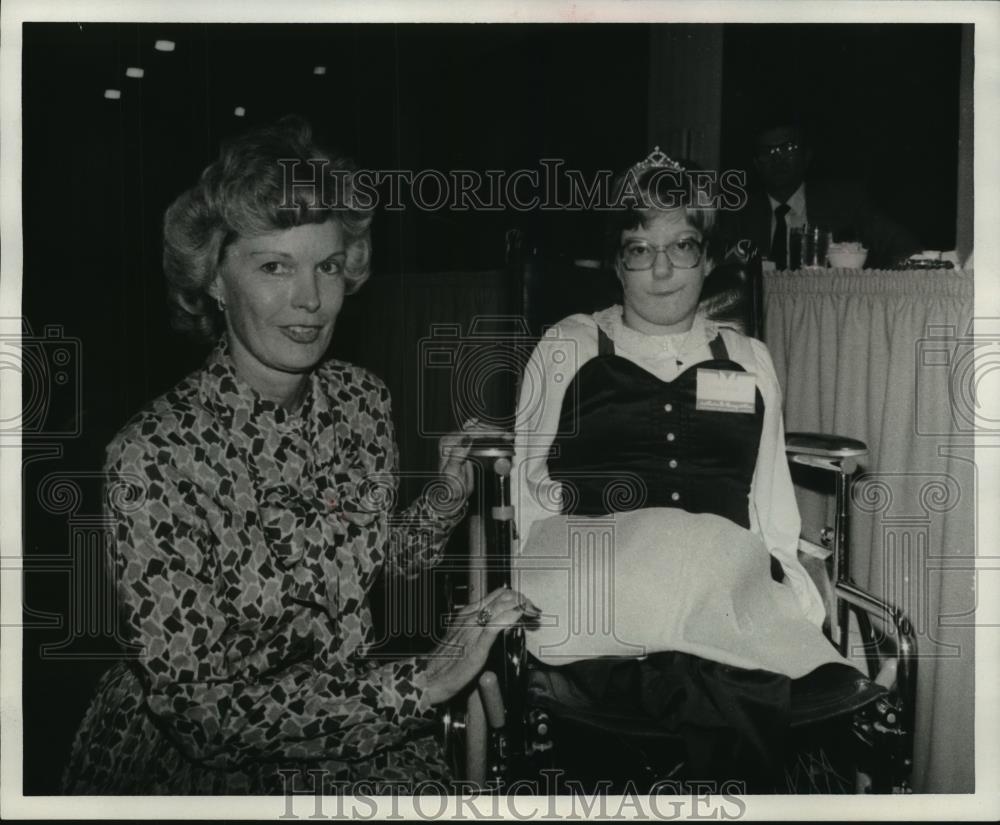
774,514
796,215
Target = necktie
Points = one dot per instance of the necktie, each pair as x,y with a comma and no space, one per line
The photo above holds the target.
779,242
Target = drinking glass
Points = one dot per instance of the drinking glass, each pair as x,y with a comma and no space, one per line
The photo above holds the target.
807,247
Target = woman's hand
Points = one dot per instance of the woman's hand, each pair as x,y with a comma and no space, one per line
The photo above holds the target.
455,467
461,656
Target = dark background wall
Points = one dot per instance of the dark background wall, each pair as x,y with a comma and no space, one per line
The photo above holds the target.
98,175
879,100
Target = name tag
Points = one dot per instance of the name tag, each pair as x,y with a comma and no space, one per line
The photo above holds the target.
725,391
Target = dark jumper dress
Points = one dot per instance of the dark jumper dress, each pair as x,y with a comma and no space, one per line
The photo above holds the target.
731,720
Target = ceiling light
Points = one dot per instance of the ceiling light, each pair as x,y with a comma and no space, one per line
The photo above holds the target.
112,94
164,45
239,111
319,70
134,71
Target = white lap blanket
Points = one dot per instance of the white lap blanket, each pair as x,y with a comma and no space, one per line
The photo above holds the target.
659,579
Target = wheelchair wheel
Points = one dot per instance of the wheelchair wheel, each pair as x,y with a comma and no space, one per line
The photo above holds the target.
822,759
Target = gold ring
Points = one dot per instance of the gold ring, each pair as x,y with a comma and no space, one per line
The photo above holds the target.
485,615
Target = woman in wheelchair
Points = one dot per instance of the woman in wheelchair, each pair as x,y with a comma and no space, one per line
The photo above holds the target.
657,522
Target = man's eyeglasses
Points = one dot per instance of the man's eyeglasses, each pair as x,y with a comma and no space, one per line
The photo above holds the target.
684,254
780,150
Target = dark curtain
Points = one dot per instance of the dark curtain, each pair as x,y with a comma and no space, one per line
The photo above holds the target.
436,340
403,328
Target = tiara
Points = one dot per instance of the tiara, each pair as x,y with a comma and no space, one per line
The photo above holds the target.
657,160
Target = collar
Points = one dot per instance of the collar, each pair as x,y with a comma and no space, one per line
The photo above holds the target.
796,201
702,331
234,402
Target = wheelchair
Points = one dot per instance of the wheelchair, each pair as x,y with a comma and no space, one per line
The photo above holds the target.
847,733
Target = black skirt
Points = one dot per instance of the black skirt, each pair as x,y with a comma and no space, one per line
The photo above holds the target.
730,723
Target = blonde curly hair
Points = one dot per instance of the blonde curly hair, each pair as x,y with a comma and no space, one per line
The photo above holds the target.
254,187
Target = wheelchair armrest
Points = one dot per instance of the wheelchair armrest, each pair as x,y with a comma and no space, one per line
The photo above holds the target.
827,452
813,550
492,444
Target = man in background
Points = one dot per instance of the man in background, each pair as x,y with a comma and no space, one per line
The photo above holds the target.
785,199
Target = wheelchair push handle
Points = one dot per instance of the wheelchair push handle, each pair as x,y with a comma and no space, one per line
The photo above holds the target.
492,699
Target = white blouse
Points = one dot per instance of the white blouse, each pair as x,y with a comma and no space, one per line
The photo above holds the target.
774,514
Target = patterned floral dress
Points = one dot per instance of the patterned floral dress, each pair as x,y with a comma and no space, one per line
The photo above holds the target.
245,540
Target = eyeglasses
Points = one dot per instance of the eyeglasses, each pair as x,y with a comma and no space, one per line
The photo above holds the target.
781,150
684,254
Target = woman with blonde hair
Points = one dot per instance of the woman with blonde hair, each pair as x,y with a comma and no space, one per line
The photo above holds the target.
259,510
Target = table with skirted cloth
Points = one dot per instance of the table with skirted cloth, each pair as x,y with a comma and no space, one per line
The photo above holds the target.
888,357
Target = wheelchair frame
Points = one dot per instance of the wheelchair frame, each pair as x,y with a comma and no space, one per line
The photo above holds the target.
496,733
